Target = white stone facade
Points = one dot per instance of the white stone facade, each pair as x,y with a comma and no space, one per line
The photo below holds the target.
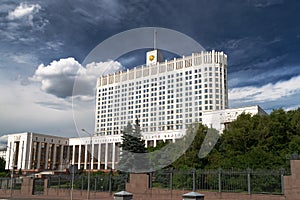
30,151
104,150
164,96
219,119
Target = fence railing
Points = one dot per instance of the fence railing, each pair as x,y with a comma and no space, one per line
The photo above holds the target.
244,181
98,183
10,183
238,181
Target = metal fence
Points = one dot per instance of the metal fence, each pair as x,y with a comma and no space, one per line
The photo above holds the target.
11,183
38,186
98,183
244,181
240,181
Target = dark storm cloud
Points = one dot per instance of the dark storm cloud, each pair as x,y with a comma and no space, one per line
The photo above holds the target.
265,3
75,27
257,35
260,37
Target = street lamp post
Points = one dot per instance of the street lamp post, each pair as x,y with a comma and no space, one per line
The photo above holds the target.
90,160
11,149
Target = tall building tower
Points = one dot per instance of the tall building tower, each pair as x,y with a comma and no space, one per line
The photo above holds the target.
165,95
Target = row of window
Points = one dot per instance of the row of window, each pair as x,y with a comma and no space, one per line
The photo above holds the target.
148,128
146,89
105,122
215,69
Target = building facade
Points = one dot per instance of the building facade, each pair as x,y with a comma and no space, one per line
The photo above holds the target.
165,96
38,152
33,151
219,119
96,152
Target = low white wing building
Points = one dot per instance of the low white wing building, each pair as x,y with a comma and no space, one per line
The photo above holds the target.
33,151
219,119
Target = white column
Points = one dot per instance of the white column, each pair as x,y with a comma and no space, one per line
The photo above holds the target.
39,149
92,157
46,156
60,165
23,162
99,156
27,162
11,155
73,155
19,161
68,154
8,158
106,155
14,155
79,156
28,151
54,156
154,142
85,156
113,155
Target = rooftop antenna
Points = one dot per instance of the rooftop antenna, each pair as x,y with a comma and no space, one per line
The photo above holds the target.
154,38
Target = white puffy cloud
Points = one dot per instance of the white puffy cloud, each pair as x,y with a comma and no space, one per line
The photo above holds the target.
268,92
24,11
59,77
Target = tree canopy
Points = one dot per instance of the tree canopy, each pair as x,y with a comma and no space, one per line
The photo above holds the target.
256,142
259,142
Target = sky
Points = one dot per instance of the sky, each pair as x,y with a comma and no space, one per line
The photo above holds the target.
43,46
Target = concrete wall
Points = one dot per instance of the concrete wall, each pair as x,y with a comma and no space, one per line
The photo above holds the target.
53,193
292,183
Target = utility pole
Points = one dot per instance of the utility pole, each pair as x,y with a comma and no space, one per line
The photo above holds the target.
90,167
11,149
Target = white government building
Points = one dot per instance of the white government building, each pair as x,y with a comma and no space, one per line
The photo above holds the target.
165,96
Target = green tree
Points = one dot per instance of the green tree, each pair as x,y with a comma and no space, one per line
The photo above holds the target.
133,154
3,172
199,139
258,142
2,164
158,146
